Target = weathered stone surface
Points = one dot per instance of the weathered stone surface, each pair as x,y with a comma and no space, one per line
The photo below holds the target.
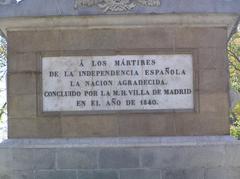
145,38
5,160
233,156
22,159
76,159
17,175
166,157
22,106
22,62
214,102
212,58
183,157
140,174
56,174
146,124
212,80
22,84
98,174
118,158
200,37
22,128
207,43
160,158
49,127
213,124
89,126
196,173
44,159
222,173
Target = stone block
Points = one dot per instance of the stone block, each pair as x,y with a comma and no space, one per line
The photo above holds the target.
5,176
146,125
140,174
22,159
17,175
53,40
22,62
76,158
22,106
145,38
22,84
98,174
204,156
212,81
200,37
163,158
197,173
90,39
216,123
89,126
34,41
232,155
99,39
44,158
117,158
183,157
75,40
222,173
62,174
187,124
206,123
214,102
22,128
5,160
213,58
49,127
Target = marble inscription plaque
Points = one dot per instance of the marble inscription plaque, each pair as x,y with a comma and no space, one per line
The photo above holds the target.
117,83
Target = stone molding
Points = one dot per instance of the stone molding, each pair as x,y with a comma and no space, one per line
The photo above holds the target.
117,21
119,142
116,5
42,8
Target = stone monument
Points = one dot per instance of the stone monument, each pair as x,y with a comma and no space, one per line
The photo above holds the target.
118,89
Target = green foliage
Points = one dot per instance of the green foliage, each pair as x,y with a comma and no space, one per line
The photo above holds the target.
235,119
233,55
234,69
3,71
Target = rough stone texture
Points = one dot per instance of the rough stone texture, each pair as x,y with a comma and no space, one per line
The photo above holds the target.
92,126
196,173
155,125
211,81
22,62
56,175
76,159
22,106
222,173
140,174
17,175
22,128
121,158
22,84
98,174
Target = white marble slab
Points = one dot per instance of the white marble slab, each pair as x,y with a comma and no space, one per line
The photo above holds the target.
117,83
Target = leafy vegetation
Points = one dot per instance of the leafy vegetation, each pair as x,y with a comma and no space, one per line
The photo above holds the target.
3,71
234,69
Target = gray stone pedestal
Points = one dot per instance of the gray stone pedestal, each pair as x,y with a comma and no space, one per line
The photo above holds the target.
121,158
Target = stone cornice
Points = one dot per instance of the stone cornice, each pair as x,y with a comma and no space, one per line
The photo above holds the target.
36,8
